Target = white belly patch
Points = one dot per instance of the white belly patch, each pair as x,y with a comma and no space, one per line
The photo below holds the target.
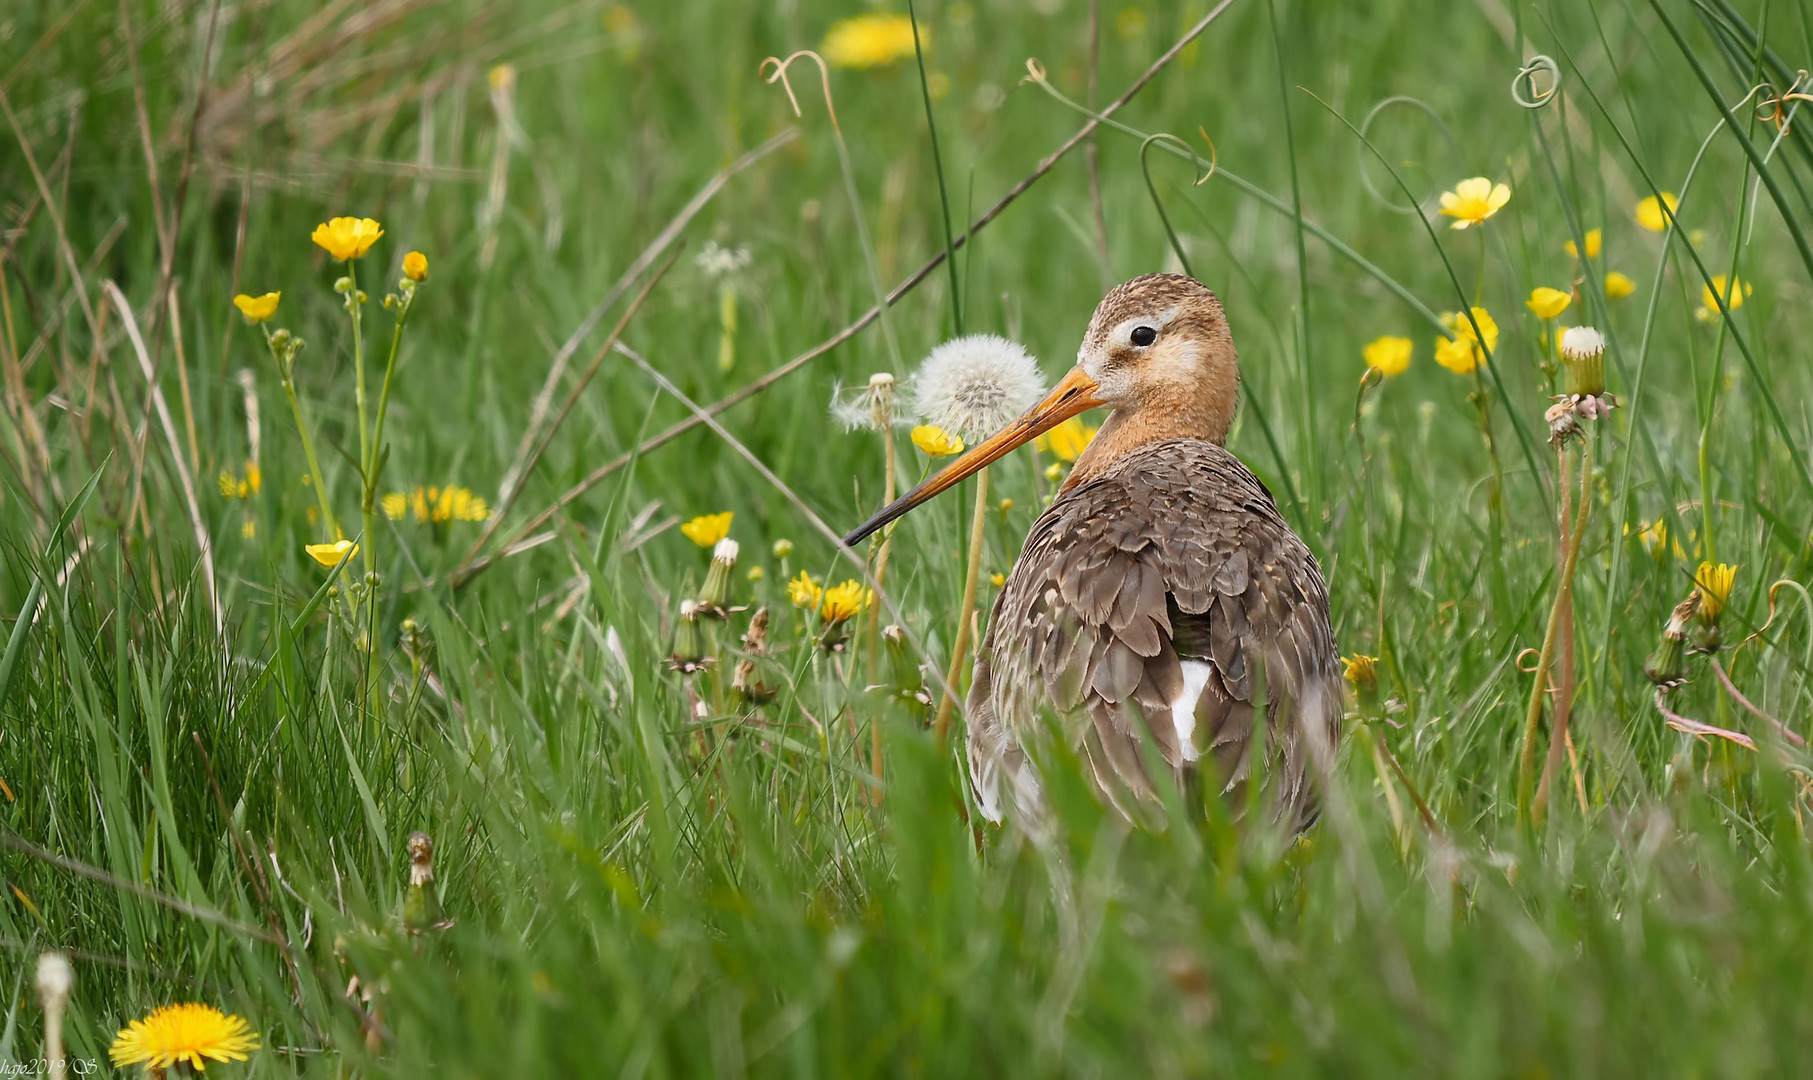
1183,708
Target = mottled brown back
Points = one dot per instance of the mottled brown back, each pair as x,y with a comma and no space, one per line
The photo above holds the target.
1176,553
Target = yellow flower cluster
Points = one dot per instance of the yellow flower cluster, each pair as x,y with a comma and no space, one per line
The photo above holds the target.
242,487
836,603
707,530
183,1034
871,41
435,504
1462,353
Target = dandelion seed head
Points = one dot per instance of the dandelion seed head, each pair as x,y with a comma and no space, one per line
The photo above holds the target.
976,385
55,979
868,408
1582,343
725,552
716,261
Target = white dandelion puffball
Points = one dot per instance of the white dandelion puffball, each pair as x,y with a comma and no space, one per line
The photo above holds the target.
1582,343
976,385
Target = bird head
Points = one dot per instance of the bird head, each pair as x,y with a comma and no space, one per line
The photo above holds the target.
1157,349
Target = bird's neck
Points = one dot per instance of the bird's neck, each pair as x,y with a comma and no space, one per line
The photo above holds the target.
1186,416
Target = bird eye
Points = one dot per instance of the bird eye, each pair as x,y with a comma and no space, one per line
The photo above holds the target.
1144,336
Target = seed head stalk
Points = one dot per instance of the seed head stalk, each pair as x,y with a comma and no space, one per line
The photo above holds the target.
286,368
883,545
1527,810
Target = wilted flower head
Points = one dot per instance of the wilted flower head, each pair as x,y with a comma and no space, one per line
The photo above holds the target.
873,407
976,385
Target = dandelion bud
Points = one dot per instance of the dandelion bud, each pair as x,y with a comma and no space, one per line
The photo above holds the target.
783,548
421,904
1583,348
279,338
689,643
881,400
1664,666
343,285
717,580
756,574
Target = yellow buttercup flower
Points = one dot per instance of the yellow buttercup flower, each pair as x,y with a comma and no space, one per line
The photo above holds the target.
844,601
1462,353
183,1033
936,441
1618,286
1548,303
1595,240
804,592
347,238
1068,440
1732,295
1391,355
1714,585
1473,201
1649,211
871,41
997,580
707,530
415,266
257,309
331,554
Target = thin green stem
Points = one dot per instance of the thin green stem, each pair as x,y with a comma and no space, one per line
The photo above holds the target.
1309,444
316,479
944,198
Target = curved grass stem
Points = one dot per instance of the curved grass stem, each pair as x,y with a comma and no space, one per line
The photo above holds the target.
1526,762
960,649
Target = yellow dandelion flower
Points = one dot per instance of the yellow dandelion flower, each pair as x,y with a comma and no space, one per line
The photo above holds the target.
936,441
257,309
1649,211
1473,201
1068,440
347,238
1733,295
871,41
415,266
1595,240
1462,353
707,530
331,554
1714,585
186,1034
1360,670
1618,286
804,592
1548,303
1391,355
844,601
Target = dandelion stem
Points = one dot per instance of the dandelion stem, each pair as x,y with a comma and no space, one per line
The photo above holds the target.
960,650
1526,764
377,437
884,544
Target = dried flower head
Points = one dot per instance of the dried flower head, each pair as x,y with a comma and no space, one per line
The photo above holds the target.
874,407
55,980
716,261
976,385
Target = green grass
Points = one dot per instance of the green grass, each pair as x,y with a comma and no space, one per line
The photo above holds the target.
639,890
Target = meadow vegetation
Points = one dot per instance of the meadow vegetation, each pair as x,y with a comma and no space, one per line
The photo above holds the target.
279,593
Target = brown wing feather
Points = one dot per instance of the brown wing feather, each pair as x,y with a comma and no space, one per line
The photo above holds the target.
1176,554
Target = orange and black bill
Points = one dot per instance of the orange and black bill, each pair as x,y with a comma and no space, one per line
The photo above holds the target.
1073,394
